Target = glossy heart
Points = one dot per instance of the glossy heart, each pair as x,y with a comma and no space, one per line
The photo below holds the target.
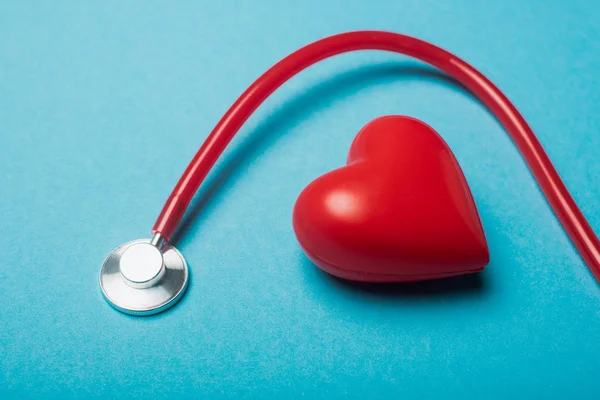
400,210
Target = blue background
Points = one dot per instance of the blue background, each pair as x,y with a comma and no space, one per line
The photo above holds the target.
103,104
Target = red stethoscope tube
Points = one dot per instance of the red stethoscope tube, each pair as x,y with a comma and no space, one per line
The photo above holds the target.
532,151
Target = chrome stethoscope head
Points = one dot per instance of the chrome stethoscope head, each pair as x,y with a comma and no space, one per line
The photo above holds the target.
144,276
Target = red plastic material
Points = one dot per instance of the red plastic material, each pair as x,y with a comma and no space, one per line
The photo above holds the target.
546,175
400,210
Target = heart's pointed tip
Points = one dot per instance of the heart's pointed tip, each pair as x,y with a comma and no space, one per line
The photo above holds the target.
472,252
485,256
479,247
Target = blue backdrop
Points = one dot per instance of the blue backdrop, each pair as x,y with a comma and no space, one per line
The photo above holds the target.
102,105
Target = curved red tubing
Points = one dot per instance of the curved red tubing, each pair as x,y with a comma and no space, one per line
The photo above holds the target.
546,175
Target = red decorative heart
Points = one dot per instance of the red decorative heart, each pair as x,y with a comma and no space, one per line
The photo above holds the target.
400,210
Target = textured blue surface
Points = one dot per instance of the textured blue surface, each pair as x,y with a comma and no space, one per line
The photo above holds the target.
102,106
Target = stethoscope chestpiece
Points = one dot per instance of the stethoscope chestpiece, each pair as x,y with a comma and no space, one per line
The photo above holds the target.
144,276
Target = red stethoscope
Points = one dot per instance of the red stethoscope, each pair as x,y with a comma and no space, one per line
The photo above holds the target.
399,210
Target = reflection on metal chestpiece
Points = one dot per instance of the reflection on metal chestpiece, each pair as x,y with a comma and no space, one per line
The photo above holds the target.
144,276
